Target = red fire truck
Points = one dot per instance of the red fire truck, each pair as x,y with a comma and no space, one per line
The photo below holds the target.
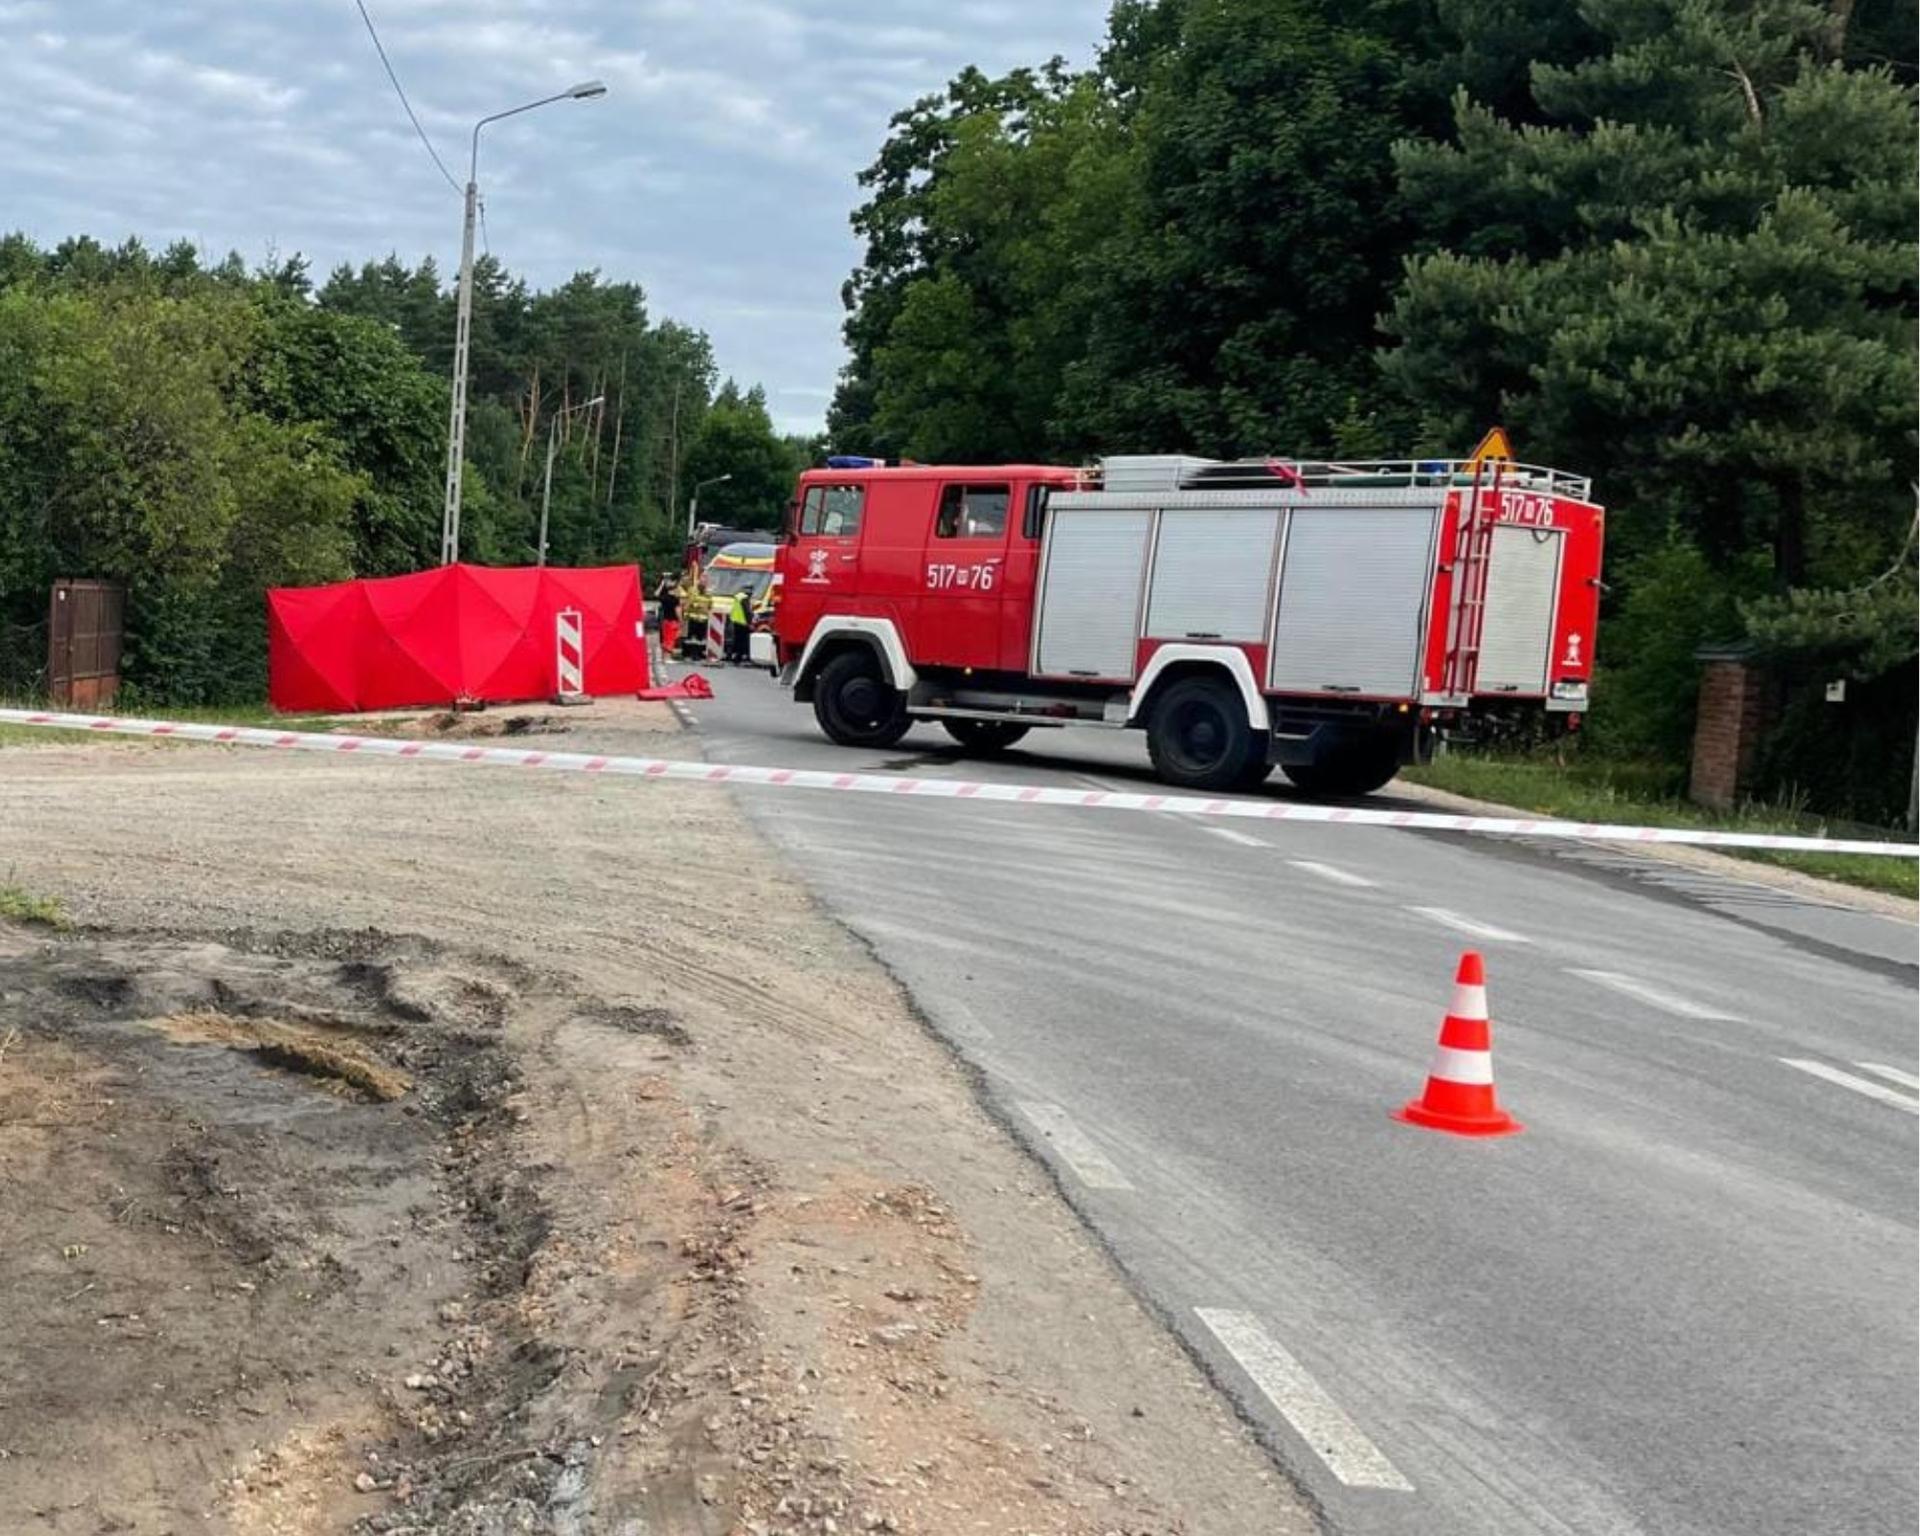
1317,617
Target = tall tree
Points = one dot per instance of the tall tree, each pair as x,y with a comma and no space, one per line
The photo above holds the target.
1187,247
354,380
1699,280
737,439
1238,295
958,200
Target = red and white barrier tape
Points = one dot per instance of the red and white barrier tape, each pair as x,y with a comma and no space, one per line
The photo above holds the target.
939,789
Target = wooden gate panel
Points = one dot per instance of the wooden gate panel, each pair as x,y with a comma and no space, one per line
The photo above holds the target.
83,642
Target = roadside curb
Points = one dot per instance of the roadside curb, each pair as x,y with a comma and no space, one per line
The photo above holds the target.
1752,871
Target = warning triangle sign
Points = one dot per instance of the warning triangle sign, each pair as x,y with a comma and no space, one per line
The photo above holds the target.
1493,446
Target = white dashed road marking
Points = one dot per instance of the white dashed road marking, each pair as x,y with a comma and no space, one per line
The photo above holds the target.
1859,1085
1331,872
1471,926
1236,837
1891,1074
1657,997
1316,1418
1092,1166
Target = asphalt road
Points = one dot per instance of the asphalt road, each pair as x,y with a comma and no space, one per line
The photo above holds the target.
1682,1301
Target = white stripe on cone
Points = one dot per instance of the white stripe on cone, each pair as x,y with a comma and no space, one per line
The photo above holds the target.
1469,1001
1451,1065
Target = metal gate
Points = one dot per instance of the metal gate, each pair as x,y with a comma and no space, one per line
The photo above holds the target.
83,642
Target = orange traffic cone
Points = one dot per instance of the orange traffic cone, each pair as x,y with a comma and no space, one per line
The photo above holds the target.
1459,1096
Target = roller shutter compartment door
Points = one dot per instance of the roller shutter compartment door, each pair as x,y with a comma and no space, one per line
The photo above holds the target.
1353,596
1090,611
1523,583
1210,570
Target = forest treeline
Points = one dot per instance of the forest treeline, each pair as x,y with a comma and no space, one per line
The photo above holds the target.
200,431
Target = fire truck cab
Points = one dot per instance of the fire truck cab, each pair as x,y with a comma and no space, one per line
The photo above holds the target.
1317,617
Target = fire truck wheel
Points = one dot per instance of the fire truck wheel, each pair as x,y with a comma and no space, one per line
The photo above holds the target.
1199,737
856,706
1351,768
982,737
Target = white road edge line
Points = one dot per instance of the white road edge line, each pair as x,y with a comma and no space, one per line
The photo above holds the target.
1303,1402
1891,1074
1471,926
1236,837
1857,1084
1092,1166
1658,997
1331,872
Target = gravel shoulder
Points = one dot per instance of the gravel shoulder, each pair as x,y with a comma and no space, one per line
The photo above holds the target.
676,1219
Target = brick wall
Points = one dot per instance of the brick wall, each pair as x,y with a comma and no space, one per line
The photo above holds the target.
1734,712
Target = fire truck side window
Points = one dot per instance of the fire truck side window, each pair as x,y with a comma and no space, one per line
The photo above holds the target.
1035,520
972,512
832,511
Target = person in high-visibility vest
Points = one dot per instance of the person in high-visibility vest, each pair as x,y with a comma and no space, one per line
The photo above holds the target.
739,631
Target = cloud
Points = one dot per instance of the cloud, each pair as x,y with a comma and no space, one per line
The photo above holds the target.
718,172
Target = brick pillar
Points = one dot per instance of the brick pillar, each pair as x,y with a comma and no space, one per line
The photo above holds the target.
1734,712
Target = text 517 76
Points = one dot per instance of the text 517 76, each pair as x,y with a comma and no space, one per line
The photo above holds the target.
969,578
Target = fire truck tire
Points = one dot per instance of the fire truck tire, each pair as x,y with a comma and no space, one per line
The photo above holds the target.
856,706
1350,768
983,737
1199,736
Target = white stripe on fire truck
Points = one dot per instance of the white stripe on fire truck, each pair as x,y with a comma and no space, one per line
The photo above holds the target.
944,789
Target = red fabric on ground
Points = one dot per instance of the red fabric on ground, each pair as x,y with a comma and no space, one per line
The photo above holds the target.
692,686
457,632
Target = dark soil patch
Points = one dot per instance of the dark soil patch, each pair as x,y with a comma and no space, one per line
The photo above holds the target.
630,1020
267,1227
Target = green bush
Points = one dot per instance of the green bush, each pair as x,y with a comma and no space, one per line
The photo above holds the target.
1648,680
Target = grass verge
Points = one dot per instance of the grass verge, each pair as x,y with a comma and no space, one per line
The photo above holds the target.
1641,794
22,906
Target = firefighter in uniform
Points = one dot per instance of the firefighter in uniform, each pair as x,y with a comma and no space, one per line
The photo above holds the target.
667,594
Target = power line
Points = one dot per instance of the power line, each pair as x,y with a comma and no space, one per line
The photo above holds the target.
401,93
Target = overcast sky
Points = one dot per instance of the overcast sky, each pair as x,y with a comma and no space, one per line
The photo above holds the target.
718,172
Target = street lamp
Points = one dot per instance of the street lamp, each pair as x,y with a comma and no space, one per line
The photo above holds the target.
463,323
546,488
693,506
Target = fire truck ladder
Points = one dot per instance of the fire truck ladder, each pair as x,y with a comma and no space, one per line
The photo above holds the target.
1472,547
1173,472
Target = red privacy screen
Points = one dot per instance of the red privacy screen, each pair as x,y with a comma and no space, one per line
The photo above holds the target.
458,632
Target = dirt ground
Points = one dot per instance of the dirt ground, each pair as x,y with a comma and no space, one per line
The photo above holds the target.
399,1147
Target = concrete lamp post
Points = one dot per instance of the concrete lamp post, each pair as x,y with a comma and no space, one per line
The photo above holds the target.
693,507
463,322
546,485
